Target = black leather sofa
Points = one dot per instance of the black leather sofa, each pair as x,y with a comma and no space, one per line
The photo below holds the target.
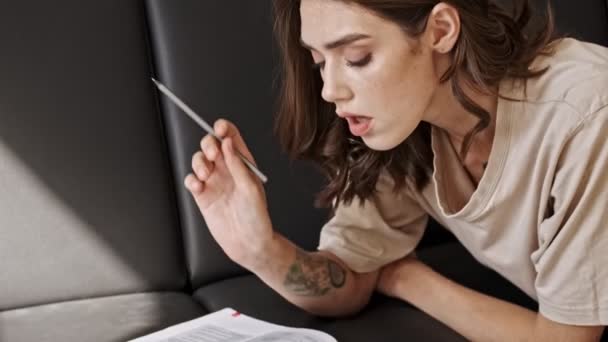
99,240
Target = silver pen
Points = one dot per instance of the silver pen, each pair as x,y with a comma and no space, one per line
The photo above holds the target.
205,126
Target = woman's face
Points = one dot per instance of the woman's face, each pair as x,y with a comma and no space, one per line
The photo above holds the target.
379,72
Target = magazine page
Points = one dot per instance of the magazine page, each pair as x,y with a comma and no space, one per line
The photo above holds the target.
228,325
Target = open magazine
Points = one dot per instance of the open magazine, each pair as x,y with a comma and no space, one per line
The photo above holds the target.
228,325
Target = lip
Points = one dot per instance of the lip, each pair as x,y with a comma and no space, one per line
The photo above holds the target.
345,115
359,127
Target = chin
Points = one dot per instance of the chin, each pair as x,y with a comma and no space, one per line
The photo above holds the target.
381,143
385,141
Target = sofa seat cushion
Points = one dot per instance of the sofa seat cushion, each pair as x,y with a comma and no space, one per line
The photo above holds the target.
115,318
383,320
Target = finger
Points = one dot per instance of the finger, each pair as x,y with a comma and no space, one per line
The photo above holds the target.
202,167
193,185
197,159
226,129
240,173
210,147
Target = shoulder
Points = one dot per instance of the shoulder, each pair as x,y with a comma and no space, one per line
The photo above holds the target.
576,78
571,91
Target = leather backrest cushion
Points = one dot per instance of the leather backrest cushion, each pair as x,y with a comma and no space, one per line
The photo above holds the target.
587,20
87,206
218,57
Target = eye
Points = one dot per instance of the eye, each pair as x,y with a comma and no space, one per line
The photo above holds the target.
360,63
353,64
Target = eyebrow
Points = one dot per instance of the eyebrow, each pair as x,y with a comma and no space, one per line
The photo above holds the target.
350,38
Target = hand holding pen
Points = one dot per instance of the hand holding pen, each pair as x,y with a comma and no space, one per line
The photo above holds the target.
231,199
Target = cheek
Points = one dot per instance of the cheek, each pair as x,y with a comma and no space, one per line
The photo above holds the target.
399,101
395,86
400,80
406,92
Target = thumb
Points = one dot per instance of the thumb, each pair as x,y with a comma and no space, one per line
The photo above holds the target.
239,171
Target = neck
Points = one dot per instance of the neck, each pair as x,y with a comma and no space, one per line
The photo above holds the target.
448,114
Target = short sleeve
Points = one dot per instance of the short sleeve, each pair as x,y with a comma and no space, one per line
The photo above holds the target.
385,228
572,260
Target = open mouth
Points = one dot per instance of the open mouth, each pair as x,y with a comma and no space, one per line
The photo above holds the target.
359,125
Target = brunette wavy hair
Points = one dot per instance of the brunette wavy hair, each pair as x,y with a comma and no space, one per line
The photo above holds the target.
493,44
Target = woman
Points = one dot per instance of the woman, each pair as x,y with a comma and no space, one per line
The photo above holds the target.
416,108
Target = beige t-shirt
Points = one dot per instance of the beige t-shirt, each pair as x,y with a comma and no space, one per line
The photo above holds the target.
539,215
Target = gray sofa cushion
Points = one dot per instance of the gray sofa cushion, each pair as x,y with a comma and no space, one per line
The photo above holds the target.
87,206
109,319
384,319
587,20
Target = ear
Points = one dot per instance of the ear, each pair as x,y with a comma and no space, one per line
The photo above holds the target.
443,28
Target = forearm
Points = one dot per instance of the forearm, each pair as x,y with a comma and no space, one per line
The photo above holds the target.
474,315
316,282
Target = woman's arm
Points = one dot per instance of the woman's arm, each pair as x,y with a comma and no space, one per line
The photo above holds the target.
474,315
317,282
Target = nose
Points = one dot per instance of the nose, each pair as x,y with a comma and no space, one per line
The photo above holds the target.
334,88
